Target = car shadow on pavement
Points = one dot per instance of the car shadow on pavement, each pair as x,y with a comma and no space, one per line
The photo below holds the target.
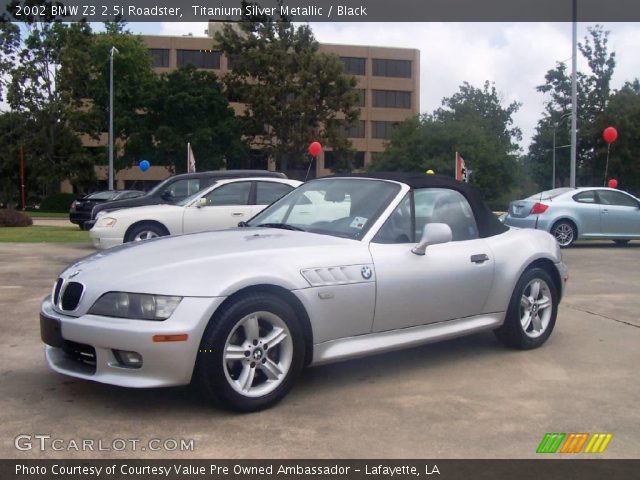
333,380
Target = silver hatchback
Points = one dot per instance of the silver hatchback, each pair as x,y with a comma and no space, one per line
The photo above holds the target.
570,214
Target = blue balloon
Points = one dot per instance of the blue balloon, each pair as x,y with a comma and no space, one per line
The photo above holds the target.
144,165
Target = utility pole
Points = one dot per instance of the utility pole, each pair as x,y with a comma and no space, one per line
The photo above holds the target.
113,50
574,95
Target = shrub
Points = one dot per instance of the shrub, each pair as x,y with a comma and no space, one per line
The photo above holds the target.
11,218
58,202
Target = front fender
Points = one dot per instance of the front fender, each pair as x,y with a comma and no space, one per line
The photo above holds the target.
514,252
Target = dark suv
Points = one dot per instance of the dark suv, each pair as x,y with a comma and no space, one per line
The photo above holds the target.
80,210
177,188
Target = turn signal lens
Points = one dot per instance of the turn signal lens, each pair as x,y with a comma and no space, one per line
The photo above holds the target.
538,208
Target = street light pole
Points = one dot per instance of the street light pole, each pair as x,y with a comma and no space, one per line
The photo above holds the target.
113,50
555,126
553,178
574,95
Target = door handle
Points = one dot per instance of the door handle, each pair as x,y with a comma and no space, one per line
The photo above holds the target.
479,258
605,210
237,214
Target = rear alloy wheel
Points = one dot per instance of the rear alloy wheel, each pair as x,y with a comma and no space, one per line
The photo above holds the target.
532,311
565,233
145,232
251,353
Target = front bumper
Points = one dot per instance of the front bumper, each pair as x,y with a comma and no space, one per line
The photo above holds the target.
83,347
104,238
79,217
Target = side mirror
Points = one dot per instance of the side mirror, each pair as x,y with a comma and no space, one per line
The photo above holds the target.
201,202
433,234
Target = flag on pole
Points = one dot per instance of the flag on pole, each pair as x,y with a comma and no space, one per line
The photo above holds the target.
462,174
191,160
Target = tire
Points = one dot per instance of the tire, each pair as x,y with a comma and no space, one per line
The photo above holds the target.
239,365
536,294
621,243
565,233
144,231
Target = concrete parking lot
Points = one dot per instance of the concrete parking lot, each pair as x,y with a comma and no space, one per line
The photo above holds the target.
466,398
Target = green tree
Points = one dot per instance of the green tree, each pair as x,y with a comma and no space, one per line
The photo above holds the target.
623,112
12,131
31,87
187,105
133,84
293,93
593,92
472,122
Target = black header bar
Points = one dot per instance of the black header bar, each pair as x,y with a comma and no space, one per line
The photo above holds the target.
331,10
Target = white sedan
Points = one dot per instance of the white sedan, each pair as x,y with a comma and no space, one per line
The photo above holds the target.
223,205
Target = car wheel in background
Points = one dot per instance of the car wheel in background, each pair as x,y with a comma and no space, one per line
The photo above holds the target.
251,353
144,231
565,232
532,311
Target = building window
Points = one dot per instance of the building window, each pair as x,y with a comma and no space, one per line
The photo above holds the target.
331,160
354,65
160,57
362,97
354,131
209,59
391,99
391,68
382,129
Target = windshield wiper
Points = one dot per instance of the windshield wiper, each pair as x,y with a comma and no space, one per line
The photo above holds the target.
284,226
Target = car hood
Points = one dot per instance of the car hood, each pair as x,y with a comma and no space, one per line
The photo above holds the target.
128,203
141,213
211,264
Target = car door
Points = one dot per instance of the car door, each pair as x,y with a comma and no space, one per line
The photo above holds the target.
452,280
619,214
268,192
225,206
587,212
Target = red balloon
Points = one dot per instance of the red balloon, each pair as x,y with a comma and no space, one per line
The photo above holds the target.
314,149
613,183
610,134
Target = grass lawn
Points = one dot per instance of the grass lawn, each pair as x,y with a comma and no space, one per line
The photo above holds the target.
43,234
48,214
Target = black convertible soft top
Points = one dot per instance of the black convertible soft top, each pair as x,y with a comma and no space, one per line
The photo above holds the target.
488,223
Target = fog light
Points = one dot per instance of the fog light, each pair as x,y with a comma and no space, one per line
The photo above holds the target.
128,359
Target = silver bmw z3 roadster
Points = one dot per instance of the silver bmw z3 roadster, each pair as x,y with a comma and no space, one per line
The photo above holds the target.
341,267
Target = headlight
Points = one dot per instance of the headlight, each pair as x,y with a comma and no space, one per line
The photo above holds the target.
106,222
135,306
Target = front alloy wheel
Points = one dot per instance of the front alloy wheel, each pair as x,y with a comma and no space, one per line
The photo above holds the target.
251,352
258,354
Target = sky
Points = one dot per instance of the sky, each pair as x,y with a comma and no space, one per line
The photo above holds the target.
515,56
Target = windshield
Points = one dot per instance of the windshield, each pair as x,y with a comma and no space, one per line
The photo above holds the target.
342,207
108,195
189,199
549,194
